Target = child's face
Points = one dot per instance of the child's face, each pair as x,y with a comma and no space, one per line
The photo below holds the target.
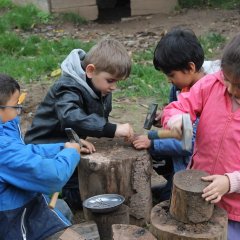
10,110
181,79
233,87
103,81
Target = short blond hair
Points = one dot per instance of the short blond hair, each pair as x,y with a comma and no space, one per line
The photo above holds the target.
110,56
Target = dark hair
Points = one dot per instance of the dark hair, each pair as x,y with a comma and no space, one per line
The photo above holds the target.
231,58
8,87
176,50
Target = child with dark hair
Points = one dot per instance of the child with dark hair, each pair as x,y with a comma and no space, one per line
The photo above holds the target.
28,172
82,99
216,100
180,56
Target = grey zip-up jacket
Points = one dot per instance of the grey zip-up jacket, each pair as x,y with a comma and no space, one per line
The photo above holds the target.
72,102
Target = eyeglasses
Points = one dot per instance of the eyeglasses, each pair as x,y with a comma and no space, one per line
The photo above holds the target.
17,107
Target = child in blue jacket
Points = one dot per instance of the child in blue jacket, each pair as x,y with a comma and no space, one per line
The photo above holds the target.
28,172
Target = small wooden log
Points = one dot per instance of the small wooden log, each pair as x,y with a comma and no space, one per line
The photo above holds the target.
117,167
130,232
164,227
187,204
86,231
105,221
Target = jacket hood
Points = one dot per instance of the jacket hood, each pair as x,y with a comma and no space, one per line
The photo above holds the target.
71,67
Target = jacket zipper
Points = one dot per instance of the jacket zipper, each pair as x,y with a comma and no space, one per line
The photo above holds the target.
23,229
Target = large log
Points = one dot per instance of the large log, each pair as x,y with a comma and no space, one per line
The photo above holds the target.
164,227
187,204
130,232
118,168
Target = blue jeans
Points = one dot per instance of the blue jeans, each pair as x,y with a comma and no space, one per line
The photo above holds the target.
233,230
62,206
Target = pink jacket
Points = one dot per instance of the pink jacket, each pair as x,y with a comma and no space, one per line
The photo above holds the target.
217,146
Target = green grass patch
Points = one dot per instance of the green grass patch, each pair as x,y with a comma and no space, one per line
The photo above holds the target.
22,17
229,4
72,18
5,4
211,43
145,81
29,59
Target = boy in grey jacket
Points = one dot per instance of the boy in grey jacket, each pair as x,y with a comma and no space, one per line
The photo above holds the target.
82,99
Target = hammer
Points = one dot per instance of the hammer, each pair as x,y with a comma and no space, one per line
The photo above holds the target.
73,137
187,130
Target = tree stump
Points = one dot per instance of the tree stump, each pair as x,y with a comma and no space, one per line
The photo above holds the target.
165,227
105,221
189,216
130,232
117,167
187,204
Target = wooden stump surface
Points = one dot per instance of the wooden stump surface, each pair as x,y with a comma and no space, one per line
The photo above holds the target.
116,167
130,232
164,227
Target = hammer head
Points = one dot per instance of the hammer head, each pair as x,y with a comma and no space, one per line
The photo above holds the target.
187,132
150,118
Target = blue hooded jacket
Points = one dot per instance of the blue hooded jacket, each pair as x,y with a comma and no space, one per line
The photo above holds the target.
28,172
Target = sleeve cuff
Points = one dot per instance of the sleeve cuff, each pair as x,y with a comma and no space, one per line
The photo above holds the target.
234,179
109,130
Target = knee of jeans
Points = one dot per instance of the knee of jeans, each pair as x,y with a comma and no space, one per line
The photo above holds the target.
62,206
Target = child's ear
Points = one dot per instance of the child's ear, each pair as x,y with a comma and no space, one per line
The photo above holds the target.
192,67
90,68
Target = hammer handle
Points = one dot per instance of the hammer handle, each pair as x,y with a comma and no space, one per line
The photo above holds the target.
166,133
53,200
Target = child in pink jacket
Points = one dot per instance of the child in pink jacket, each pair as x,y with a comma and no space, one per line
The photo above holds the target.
216,100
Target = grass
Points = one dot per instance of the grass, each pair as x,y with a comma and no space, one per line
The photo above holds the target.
72,18
229,4
30,58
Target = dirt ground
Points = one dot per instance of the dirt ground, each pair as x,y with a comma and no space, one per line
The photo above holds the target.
135,33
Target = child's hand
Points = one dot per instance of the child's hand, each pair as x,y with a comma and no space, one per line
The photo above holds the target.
73,145
214,191
175,122
157,122
141,142
126,131
87,147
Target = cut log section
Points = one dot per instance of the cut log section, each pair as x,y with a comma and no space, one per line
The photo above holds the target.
130,232
187,204
118,168
164,227
105,221
85,231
